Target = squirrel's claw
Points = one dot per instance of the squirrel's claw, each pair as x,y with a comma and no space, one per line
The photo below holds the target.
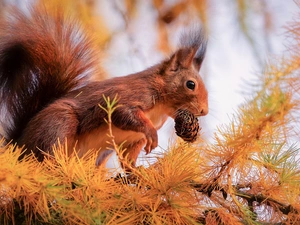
147,147
152,141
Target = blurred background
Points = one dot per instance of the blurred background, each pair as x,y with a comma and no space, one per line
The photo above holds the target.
135,34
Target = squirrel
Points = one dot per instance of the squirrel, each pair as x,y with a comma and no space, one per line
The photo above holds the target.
47,94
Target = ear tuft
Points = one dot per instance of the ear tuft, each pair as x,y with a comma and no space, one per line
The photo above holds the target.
191,51
200,55
196,40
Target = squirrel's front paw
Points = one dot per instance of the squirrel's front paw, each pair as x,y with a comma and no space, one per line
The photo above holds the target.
152,140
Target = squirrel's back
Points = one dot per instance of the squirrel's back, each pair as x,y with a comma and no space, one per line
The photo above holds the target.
42,58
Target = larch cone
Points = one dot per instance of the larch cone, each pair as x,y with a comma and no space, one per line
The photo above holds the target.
186,125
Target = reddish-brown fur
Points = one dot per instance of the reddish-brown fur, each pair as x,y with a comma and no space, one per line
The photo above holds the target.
146,98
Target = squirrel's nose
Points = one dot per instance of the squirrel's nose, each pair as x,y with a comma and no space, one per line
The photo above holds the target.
204,112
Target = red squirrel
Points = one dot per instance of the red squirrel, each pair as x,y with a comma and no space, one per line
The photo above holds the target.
46,63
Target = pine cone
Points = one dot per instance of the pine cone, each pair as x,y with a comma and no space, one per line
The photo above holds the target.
186,125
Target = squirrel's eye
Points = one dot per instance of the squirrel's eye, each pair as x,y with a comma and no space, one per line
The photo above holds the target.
190,85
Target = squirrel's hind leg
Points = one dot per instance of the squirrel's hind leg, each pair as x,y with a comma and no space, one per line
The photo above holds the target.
131,153
57,122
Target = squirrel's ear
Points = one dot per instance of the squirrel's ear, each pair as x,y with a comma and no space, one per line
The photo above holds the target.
200,54
191,53
182,58
193,43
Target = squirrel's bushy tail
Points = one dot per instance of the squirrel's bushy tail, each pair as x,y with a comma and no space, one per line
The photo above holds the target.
42,57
